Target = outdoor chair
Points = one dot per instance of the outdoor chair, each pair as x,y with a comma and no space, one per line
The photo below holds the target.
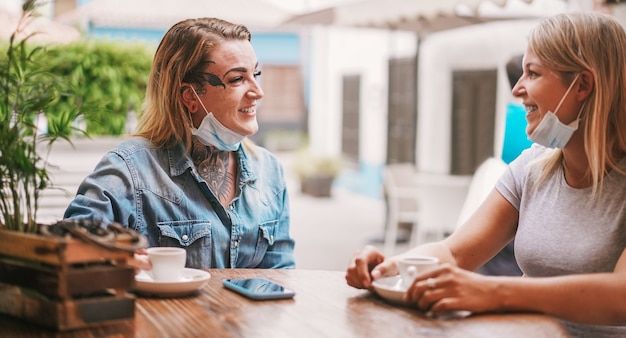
402,207
483,181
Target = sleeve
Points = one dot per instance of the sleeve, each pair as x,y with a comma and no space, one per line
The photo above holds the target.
106,194
512,182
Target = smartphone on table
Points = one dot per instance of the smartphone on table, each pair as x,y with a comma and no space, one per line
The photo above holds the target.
258,288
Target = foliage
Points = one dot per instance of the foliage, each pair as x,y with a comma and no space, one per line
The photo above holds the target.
309,165
283,140
108,77
26,92
95,81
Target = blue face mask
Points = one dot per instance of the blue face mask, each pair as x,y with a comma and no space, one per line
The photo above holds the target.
553,133
212,133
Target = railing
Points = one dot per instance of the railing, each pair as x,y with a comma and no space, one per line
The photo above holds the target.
67,166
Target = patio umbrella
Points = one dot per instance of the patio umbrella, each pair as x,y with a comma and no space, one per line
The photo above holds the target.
158,14
43,30
420,16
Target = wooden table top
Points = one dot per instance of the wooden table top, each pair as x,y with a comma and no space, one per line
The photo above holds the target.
324,306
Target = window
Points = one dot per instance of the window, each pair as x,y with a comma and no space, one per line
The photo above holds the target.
402,118
473,119
282,107
350,117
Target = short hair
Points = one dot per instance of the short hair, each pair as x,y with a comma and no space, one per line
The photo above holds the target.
181,56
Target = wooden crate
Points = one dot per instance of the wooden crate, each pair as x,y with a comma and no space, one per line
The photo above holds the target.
63,283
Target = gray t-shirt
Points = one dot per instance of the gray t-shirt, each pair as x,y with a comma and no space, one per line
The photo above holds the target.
563,230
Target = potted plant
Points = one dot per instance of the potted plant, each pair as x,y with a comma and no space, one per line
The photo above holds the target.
65,275
26,93
317,173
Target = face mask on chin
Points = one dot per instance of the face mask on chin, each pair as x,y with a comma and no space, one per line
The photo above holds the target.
212,133
553,133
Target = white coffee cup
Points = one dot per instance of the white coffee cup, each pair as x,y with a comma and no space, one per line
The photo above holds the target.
411,267
167,263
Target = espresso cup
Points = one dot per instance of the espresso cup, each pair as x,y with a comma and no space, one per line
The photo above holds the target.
411,267
167,263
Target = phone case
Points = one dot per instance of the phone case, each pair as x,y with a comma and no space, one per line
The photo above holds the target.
258,288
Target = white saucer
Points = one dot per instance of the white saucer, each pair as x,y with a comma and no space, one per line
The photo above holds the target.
190,281
390,288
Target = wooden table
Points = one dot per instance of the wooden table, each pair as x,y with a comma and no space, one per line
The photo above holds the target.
324,306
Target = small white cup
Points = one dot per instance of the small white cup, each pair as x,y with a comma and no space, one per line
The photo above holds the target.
167,263
411,267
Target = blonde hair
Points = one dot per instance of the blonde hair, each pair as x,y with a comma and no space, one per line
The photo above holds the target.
570,43
182,55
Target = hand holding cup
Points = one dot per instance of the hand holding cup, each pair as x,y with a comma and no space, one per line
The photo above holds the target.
411,267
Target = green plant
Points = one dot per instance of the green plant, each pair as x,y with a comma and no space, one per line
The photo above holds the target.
27,91
309,165
109,77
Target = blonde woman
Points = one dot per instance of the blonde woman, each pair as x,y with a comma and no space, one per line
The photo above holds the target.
563,200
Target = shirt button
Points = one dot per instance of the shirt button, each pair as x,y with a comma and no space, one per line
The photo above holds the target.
185,237
236,244
231,207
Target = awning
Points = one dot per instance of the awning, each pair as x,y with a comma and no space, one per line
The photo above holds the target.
162,14
421,16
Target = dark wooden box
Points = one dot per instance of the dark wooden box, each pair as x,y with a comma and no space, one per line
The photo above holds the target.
63,283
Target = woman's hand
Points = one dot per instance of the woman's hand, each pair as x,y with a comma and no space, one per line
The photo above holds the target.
449,288
367,265
140,261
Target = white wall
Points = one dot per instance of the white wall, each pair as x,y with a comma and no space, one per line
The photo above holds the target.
484,46
336,52
348,51
11,6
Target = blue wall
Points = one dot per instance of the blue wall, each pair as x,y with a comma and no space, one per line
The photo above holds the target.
148,36
281,48
270,47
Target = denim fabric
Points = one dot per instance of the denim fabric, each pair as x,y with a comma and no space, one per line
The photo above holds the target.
159,193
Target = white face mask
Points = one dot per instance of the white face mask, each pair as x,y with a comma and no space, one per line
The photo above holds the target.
212,133
553,133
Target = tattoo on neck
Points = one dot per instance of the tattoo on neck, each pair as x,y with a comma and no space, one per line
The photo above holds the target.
213,164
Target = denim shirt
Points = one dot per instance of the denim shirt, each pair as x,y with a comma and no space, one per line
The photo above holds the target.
159,193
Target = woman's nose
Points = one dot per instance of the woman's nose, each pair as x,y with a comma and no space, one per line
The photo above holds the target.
518,89
256,92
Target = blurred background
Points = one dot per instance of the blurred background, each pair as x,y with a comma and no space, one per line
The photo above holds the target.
351,88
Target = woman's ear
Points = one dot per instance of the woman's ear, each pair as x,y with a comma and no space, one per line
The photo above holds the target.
586,85
189,100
